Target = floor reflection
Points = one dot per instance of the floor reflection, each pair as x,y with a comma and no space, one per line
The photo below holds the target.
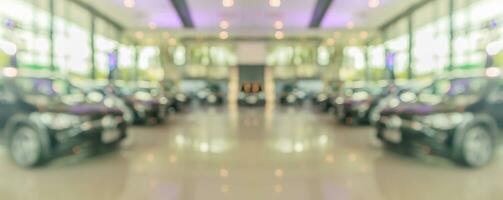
250,153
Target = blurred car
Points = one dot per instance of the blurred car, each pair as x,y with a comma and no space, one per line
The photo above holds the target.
459,118
251,94
394,95
148,103
40,121
107,96
176,98
356,103
212,95
291,95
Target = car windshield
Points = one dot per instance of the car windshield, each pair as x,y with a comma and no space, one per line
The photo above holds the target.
214,88
43,86
456,87
460,91
288,88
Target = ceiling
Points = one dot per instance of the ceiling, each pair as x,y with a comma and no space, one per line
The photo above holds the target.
250,17
357,11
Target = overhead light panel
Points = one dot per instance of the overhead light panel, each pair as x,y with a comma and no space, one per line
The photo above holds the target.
224,24
279,35
166,35
278,24
152,25
331,42
337,34
139,35
224,35
129,3
275,3
172,41
364,35
350,25
228,3
374,3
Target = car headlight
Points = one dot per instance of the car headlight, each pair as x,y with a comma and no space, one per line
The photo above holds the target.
181,97
339,100
362,106
140,107
60,121
392,121
322,97
444,121
163,100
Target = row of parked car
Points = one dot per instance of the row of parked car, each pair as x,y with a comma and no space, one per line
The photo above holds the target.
458,116
43,117
251,94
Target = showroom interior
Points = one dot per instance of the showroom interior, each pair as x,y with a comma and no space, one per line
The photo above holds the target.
251,99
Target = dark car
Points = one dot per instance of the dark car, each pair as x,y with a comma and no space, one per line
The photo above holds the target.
146,103
177,100
395,94
107,96
251,94
212,95
291,95
355,104
39,121
459,118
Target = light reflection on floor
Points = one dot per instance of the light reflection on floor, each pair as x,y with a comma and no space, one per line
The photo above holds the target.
250,153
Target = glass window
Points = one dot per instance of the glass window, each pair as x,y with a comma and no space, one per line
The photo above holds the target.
105,47
377,62
431,39
398,45
71,39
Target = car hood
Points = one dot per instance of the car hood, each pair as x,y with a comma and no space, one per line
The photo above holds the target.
76,108
407,110
92,109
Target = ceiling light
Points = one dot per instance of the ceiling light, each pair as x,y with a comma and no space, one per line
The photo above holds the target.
172,41
166,35
350,25
374,3
224,35
224,24
279,35
139,35
129,3
228,3
152,25
352,41
275,3
337,34
278,24
330,41
364,35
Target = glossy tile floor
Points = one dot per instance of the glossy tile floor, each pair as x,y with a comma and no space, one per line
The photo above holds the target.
259,154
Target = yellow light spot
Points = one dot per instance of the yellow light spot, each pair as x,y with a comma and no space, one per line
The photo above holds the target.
224,35
224,173
278,173
278,188
224,24
172,159
329,158
279,35
278,24
225,188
